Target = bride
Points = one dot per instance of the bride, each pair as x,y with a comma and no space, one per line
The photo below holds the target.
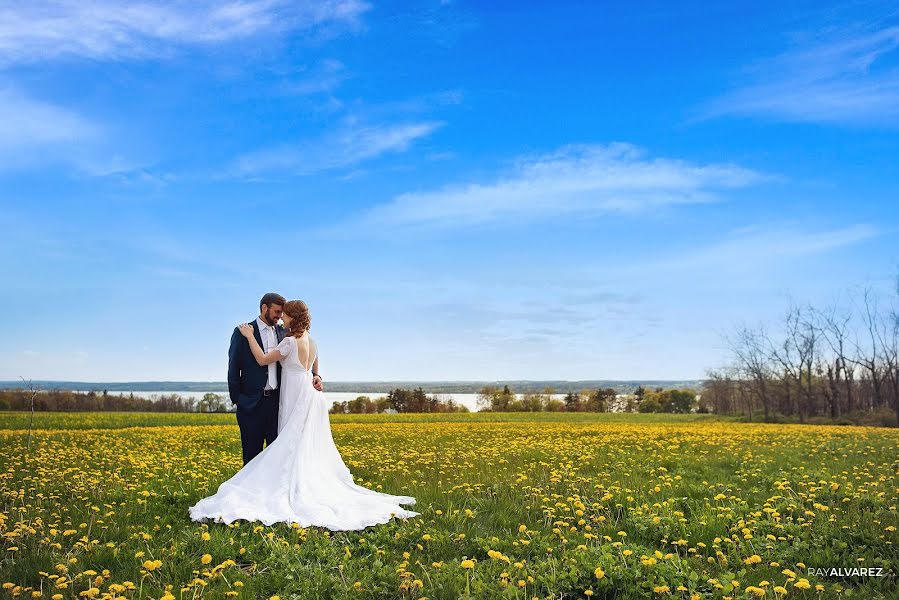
300,477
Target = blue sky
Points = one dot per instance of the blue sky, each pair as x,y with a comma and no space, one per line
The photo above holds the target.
459,190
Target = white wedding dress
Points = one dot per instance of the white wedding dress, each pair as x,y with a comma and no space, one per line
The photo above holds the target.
301,477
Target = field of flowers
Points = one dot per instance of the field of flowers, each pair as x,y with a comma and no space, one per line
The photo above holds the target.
513,506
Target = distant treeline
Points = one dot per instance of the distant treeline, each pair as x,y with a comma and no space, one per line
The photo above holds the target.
835,364
495,399
373,387
401,401
64,400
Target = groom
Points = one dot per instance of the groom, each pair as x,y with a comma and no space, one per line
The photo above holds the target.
254,388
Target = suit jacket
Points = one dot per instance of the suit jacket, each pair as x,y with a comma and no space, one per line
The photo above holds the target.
246,377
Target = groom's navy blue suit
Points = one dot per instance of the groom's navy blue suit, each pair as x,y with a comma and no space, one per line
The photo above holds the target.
257,412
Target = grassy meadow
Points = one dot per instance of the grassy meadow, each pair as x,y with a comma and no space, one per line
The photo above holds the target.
513,506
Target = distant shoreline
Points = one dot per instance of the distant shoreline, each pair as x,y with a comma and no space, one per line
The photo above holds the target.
433,387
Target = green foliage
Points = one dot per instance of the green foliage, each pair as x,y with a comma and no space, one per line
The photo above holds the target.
401,401
212,402
667,401
57,399
650,405
495,399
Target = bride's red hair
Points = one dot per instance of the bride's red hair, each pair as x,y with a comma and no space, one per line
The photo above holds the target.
299,315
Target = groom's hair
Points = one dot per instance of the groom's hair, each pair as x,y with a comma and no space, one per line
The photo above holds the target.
272,298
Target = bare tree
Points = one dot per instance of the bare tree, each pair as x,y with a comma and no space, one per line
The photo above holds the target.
840,361
719,390
748,345
796,356
867,351
888,337
835,329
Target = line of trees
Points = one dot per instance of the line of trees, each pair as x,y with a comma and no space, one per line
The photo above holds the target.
496,399
839,363
401,401
64,400
666,401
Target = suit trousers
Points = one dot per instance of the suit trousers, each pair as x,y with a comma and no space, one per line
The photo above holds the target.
258,425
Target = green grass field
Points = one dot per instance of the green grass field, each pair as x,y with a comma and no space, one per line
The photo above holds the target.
116,420
513,506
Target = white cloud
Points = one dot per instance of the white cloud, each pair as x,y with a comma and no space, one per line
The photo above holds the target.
323,79
762,246
845,77
111,29
351,144
25,121
576,180
36,132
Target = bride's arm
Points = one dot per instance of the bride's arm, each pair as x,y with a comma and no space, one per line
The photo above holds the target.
261,357
316,378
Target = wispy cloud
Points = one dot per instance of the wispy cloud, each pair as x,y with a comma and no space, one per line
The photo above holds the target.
37,133
33,130
109,29
324,78
575,180
844,77
761,246
27,121
353,143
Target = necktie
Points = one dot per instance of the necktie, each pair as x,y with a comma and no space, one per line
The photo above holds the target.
270,344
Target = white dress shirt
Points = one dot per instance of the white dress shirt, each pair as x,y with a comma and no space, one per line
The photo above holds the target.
269,343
